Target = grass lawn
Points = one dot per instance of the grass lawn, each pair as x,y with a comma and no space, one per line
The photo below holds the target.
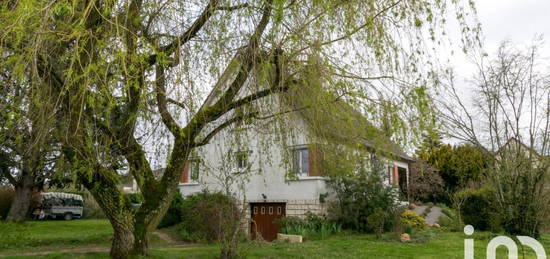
52,235
58,234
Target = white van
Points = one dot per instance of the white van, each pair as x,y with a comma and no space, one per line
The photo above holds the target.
59,205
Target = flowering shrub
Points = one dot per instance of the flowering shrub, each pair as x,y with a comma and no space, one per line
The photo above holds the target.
413,220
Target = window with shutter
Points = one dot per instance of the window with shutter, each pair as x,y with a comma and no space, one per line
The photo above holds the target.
395,178
194,170
307,161
300,161
185,174
315,159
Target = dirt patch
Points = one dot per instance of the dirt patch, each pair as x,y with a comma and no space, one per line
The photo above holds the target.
166,238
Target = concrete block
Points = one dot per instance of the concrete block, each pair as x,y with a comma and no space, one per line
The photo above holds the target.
289,238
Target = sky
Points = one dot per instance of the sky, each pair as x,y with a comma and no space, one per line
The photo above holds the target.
518,21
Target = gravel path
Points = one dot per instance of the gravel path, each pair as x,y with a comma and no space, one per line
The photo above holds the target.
433,215
419,209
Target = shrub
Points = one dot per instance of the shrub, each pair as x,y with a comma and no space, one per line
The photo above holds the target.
205,216
312,227
174,214
425,183
376,222
477,209
450,219
457,165
360,195
6,198
135,198
413,220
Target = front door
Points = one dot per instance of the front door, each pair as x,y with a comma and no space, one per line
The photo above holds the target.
263,217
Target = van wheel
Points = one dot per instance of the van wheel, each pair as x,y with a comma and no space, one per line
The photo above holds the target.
68,216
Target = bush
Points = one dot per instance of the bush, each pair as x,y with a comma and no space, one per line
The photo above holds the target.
174,214
425,183
360,195
376,222
413,220
477,209
135,198
313,227
204,216
450,220
6,198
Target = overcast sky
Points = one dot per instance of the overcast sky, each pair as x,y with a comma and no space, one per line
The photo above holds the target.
515,20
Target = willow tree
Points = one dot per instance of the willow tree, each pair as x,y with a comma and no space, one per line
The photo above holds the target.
119,67
28,149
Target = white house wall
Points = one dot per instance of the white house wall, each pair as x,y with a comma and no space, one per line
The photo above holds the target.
268,172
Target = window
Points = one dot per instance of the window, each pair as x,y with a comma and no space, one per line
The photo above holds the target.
300,161
194,167
241,158
390,174
190,172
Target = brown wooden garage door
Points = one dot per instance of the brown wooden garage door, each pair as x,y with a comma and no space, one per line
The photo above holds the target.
263,217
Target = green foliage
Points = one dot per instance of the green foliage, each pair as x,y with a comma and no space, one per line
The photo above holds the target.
450,220
204,216
413,220
362,194
174,214
100,62
6,198
521,197
457,165
134,198
425,183
376,222
312,227
478,208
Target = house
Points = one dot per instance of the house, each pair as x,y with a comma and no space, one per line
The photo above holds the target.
277,175
514,147
514,151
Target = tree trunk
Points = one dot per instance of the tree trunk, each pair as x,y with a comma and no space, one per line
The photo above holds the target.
147,220
123,240
22,199
141,242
